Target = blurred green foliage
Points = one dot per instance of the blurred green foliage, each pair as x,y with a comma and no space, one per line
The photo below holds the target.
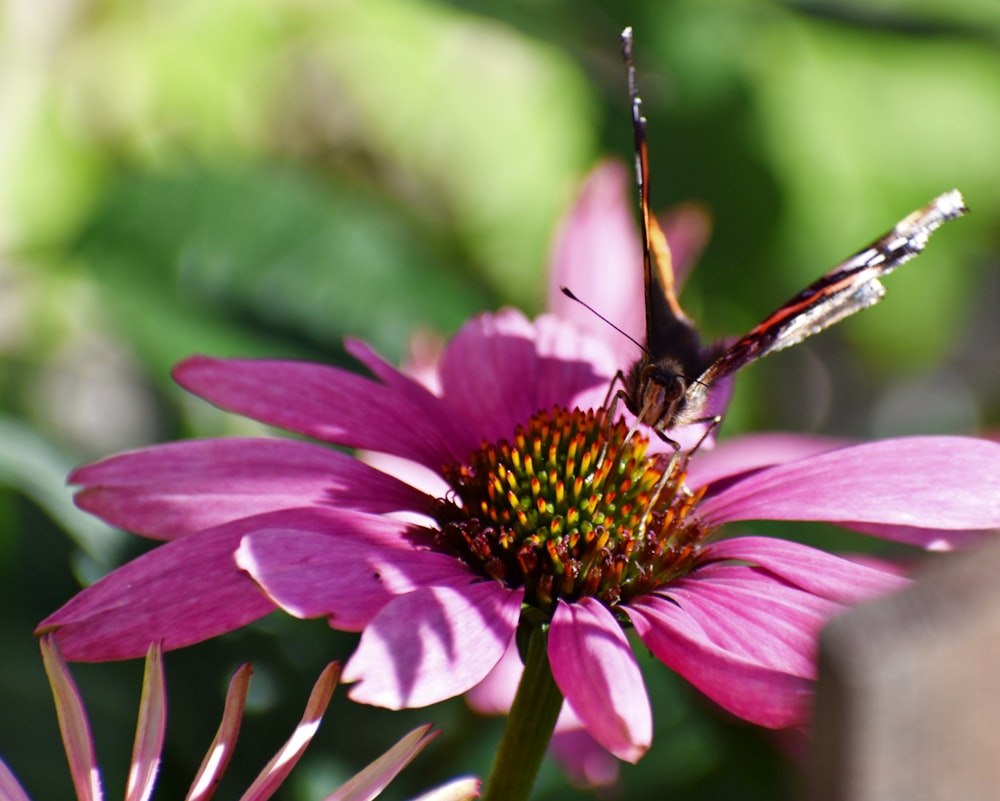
258,178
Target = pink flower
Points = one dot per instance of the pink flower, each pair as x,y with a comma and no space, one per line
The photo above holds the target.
150,730
545,514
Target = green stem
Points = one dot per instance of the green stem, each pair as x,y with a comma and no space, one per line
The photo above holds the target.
530,725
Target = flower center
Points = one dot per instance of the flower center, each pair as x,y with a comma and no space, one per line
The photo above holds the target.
572,507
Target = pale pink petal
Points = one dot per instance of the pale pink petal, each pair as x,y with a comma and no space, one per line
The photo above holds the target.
570,363
598,255
371,781
423,354
502,368
465,789
73,724
585,760
390,375
221,750
931,539
281,764
945,483
150,729
594,667
10,787
582,757
818,572
342,577
495,693
433,644
171,490
733,457
741,685
687,227
430,482
329,404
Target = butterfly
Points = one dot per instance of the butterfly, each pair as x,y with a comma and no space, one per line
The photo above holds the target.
670,383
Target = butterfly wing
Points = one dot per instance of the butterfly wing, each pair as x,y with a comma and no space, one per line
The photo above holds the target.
846,289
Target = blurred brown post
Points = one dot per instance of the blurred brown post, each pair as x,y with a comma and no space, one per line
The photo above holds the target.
908,704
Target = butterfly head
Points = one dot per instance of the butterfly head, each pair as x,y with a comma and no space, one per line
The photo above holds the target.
655,392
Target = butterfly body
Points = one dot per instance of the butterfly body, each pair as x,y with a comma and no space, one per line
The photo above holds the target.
671,383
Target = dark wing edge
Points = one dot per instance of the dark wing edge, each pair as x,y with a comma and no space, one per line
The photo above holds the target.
668,329
848,288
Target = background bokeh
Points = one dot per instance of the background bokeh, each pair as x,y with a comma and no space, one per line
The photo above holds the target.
250,177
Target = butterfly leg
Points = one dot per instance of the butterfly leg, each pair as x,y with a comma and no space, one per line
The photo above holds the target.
713,423
665,475
612,396
676,458
610,405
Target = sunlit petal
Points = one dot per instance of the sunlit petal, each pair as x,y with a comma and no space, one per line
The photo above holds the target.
149,730
72,723
274,773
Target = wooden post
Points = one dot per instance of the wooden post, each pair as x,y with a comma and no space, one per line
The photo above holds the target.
908,701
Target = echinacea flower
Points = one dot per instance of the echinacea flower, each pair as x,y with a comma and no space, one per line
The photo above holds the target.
548,518
150,730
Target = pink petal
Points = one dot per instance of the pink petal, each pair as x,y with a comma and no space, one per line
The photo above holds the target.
182,592
594,667
171,490
502,368
344,577
73,724
433,644
923,482
150,729
815,571
741,685
598,255
329,404
755,615
731,458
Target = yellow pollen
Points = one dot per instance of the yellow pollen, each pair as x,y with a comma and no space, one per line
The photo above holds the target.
571,453
566,509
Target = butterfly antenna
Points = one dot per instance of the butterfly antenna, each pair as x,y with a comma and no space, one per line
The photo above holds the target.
569,294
